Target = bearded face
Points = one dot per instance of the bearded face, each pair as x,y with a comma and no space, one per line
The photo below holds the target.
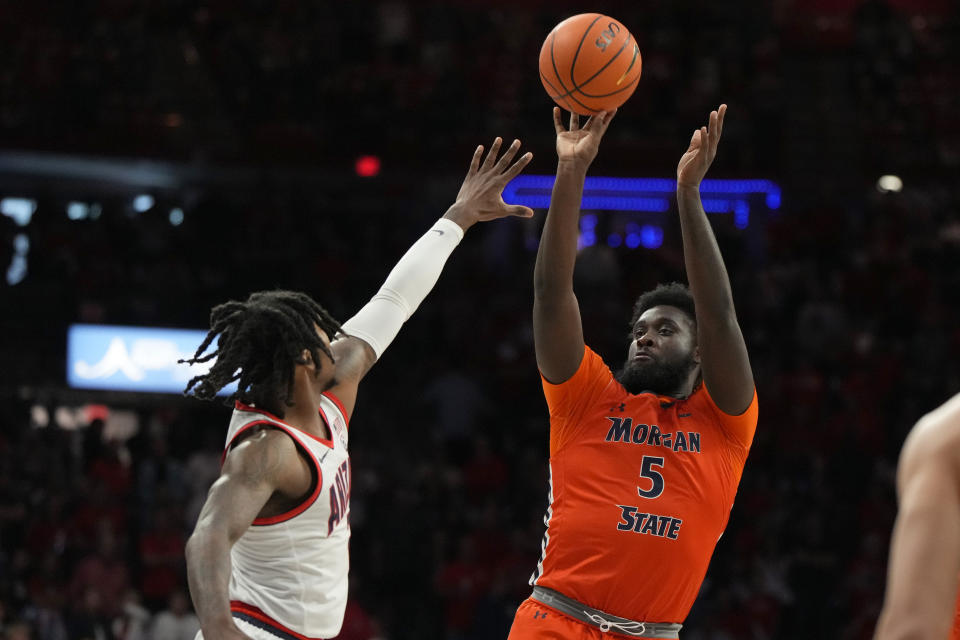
662,378
662,355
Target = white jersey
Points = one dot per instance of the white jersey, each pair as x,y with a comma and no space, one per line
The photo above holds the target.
289,573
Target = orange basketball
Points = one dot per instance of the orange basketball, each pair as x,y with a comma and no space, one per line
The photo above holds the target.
590,63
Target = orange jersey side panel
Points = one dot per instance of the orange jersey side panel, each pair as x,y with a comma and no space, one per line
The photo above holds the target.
955,630
641,490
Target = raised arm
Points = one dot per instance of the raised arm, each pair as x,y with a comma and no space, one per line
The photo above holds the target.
368,333
557,332
925,547
256,469
723,353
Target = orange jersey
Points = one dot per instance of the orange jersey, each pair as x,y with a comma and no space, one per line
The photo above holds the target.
641,488
955,629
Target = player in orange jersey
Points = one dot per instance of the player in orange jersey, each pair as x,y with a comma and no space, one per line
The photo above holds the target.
922,577
644,464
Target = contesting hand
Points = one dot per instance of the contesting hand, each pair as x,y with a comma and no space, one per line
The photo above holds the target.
481,195
580,145
701,152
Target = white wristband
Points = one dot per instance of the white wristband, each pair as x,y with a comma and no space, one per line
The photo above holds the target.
379,321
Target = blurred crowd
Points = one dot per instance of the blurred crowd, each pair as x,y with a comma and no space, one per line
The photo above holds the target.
847,296
210,81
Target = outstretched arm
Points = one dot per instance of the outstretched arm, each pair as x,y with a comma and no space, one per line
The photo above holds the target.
265,463
925,547
723,353
557,331
373,328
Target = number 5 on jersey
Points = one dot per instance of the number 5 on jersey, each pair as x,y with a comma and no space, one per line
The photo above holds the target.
647,471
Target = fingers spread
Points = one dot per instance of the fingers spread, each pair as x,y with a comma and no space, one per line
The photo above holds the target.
557,123
517,167
507,157
608,117
475,161
722,112
599,122
603,120
492,155
574,121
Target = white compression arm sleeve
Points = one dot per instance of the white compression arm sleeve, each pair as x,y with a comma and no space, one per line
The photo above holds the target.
379,321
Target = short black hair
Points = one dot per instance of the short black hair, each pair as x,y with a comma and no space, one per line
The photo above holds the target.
260,339
674,294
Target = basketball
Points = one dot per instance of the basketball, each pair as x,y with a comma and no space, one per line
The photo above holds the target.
590,63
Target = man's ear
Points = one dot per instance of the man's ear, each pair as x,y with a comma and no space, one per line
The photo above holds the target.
696,354
306,358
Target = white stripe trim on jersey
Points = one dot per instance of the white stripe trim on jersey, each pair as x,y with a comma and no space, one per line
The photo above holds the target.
535,576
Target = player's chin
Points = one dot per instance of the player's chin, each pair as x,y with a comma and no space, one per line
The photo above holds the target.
634,365
633,372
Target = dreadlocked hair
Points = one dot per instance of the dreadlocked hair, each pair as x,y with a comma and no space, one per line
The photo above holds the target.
674,294
260,340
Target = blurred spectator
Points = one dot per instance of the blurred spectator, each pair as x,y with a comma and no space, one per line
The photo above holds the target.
486,473
134,621
201,469
461,583
162,556
358,624
109,464
457,403
176,622
45,614
19,630
88,618
101,578
160,479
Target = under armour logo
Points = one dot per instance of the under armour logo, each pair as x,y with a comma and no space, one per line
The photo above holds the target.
620,408
540,614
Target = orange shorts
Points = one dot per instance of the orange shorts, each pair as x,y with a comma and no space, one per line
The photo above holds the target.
536,621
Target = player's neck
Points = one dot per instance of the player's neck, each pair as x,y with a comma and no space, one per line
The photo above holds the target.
686,389
305,412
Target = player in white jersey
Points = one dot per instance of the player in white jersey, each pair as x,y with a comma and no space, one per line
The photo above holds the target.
268,558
